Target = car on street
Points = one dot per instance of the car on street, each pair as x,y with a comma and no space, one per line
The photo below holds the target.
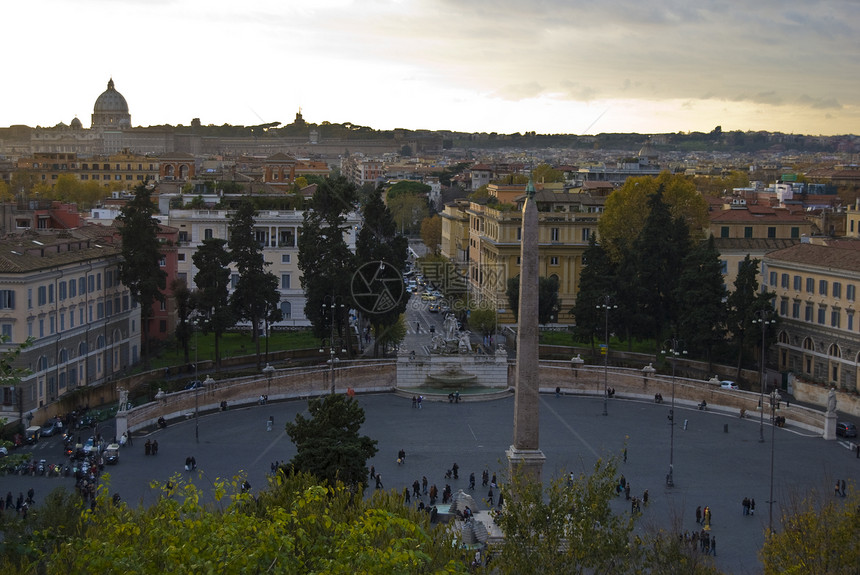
112,454
428,297
434,308
725,384
846,429
51,427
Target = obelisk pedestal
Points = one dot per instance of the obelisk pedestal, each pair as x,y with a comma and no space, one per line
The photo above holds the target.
525,457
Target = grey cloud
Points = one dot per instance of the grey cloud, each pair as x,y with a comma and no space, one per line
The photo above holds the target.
519,91
819,103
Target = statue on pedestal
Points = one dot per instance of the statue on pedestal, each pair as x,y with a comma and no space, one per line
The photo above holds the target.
831,400
123,399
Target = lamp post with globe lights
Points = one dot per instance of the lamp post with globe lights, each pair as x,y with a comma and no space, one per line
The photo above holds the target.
775,398
608,302
674,348
764,317
336,306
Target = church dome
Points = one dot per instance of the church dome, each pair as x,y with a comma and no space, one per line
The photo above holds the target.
111,101
76,124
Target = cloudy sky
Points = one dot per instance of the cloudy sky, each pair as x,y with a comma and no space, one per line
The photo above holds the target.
552,66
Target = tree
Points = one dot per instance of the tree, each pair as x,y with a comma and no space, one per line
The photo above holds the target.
139,268
431,232
567,527
483,320
296,527
819,535
595,282
546,174
548,306
255,297
627,209
6,194
700,298
325,259
212,296
184,307
742,304
328,443
389,334
380,254
408,210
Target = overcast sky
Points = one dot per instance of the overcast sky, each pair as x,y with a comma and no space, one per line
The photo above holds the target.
552,66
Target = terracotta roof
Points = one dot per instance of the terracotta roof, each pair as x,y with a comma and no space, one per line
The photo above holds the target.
30,252
756,216
753,245
840,257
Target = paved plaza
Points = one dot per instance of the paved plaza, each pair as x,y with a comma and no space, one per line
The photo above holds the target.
712,467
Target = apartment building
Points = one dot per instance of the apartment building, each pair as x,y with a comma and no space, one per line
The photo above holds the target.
487,252
62,288
124,168
277,232
816,283
360,170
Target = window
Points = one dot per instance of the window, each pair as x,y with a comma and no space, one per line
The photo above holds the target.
784,281
849,292
724,267
42,298
795,310
41,328
73,288
72,318
553,261
180,257
162,326
285,258
834,318
772,279
822,287
822,315
748,232
798,283
850,323
807,313
29,298
109,279
7,299
837,290
61,290
724,231
519,233
50,293
783,307
285,281
771,232
100,310
207,234
162,261
109,307
98,281
554,234
62,322
586,234
795,232
286,309
91,284
810,285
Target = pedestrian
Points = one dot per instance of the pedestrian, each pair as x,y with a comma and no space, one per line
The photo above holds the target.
706,516
372,472
627,491
485,478
155,447
455,468
843,488
493,480
434,493
414,402
424,484
416,488
417,327
625,455
622,481
471,481
699,515
406,495
745,506
30,494
490,497
714,545
379,481
752,506
501,499
147,447
645,498
420,399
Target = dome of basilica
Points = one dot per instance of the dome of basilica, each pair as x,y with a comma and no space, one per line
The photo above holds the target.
110,101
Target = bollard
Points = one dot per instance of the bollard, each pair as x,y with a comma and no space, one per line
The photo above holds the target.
726,428
685,424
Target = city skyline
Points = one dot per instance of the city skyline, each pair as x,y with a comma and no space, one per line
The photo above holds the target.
552,67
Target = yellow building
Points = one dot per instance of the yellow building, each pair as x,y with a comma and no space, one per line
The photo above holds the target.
124,169
487,250
816,293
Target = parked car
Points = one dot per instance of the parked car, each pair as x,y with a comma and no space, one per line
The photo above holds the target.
728,385
51,427
846,429
112,454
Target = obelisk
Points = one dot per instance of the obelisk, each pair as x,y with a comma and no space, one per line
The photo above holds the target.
525,456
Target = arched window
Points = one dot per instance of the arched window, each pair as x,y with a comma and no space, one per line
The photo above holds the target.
63,356
783,337
807,344
100,342
82,349
834,350
42,364
286,309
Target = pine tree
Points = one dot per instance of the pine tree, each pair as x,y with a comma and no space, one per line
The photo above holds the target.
596,281
140,270
212,297
700,297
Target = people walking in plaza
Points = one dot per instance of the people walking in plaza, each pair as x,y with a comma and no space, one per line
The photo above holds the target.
645,497
714,545
155,447
147,447
379,481
416,488
752,506
699,514
485,478
372,472
406,498
745,505
706,516
455,470
434,493
627,491
420,399
414,402
401,457
490,497
843,488
30,494
424,484
471,481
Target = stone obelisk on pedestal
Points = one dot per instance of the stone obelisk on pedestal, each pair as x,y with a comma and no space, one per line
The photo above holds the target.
525,456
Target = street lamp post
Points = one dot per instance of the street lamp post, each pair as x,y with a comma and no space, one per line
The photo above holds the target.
608,303
775,398
331,302
675,349
763,317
